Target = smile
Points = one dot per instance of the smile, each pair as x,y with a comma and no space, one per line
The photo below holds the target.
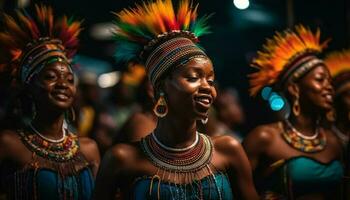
204,100
61,96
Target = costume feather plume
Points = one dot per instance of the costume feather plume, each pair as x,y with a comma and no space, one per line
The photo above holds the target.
280,51
137,27
23,29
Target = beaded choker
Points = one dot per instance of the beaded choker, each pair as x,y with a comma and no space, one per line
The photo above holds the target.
63,150
176,149
191,160
308,144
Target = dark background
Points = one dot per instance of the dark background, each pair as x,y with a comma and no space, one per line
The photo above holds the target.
237,34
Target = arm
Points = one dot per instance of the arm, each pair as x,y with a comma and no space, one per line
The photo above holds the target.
256,143
112,172
90,150
240,173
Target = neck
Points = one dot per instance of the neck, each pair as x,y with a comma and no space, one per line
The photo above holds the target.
176,133
49,124
305,123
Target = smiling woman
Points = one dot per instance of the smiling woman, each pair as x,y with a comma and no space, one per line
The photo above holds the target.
40,157
175,161
298,157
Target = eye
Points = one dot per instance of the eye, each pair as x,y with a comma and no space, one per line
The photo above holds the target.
70,79
210,82
50,76
192,79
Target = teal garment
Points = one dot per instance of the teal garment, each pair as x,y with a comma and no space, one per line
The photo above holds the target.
303,175
45,184
211,187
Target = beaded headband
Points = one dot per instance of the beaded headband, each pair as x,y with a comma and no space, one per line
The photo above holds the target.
156,36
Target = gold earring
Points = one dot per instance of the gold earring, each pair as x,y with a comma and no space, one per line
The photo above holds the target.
161,108
331,115
296,106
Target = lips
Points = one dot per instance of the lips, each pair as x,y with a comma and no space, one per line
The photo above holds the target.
61,96
328,97
203,101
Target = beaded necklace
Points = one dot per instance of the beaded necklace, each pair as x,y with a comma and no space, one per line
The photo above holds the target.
190,160
176,149
307,144
189,163
63,150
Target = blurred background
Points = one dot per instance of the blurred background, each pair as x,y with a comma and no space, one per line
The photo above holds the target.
110,94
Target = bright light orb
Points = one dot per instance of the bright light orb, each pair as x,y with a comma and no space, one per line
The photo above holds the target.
241,4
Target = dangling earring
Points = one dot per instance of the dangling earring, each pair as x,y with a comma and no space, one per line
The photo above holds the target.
70,115
161,108
204,121
349,115
331,115
296,106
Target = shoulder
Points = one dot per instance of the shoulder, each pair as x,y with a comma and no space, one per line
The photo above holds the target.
9,141
227,145
123,156
263,134
89,149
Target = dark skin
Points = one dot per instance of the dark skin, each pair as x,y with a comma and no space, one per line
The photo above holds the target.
125,162
53,91
265,144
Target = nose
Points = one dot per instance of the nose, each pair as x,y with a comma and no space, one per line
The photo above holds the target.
62,82
329,86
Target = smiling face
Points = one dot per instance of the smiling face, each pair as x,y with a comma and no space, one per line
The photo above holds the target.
54,86
189,89
315,88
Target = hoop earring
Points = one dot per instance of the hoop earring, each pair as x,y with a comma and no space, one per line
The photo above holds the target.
161,108
204,121
296,106
331,115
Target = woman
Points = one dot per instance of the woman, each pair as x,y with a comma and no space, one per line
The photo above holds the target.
40,157
339,66
174,161
296,158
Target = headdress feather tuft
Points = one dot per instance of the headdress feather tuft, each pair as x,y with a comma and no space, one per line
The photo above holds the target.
338,62
24,30
279,52
138,27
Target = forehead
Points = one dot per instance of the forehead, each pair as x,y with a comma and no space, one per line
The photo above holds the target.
58,66
197,64
319,69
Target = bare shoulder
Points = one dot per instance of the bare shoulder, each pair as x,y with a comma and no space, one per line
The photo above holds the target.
263,134
227,144
9,142
125,154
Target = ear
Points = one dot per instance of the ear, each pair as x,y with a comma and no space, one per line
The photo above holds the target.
293,89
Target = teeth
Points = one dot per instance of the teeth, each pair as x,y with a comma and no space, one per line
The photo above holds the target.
329,97
204,100
62,96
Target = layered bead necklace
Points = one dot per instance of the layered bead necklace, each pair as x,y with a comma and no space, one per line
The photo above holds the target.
59,150
187,162
308,144
189,159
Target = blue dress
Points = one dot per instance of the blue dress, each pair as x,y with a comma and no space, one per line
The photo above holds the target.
42,181
300,176
216,186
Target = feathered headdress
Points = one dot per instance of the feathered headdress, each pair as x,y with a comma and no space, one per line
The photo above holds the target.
287,53
338,64
157,36
26,41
